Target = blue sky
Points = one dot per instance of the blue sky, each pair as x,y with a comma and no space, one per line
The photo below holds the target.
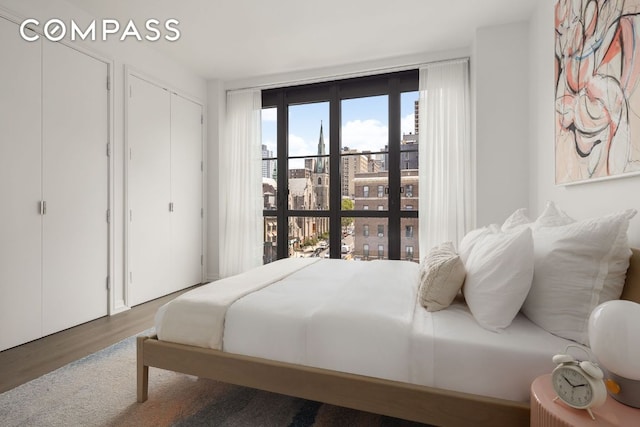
364,124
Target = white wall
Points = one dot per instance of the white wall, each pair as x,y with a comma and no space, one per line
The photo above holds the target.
140,56
583,200
500,81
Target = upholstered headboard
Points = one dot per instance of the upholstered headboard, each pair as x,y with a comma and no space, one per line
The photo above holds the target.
631,289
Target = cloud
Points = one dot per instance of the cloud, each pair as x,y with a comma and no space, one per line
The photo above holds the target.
271,146
407,123
361,135
365,135
269,114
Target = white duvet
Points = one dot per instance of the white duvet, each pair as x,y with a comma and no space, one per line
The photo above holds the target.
348,316
362,318
197,317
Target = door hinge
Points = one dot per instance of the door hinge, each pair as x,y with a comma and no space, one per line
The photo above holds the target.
130,92
130,215
201,212
201,119
170,206
201,166
108,149
108,216
108,83
108,283
43,207
201,259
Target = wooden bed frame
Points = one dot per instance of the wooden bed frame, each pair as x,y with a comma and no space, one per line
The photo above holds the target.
397,399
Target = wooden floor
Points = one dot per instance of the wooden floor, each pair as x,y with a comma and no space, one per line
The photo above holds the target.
21,364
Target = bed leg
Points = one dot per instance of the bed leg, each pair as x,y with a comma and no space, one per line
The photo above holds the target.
143,371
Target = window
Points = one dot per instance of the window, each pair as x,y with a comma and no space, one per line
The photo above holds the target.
380,230
408,253
380,251
408,231
323,166
408,190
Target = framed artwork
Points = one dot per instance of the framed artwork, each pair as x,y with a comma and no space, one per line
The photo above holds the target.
597,103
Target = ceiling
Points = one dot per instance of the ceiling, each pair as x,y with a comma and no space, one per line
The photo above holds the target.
234,39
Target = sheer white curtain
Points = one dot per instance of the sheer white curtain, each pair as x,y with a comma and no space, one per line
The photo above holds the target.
445,188
241,184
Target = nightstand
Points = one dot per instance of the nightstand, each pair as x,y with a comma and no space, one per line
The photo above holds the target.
547,413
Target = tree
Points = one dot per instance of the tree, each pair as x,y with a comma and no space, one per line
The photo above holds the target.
347,205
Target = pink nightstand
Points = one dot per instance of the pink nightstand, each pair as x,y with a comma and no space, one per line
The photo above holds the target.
547,413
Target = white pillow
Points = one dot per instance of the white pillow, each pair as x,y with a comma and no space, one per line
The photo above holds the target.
577,267
552,216
441,278
499,272
516,220
472,238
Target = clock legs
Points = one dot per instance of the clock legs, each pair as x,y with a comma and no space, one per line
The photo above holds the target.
593,417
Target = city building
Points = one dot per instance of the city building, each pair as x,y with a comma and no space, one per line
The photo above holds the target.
371,238
269,165
353,162
270,223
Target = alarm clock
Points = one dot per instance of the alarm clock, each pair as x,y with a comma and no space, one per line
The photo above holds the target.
579,384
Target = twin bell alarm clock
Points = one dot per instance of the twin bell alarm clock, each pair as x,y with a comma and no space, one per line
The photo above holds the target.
579,384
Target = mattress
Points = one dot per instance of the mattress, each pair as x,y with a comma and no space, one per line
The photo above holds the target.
450,350
365,318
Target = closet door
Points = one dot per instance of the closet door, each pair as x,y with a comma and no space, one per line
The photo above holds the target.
149,186
75,187
186,191
20,188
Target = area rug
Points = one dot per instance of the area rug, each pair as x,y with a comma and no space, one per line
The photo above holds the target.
100,390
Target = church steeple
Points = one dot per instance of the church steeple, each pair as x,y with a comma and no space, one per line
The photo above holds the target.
321,161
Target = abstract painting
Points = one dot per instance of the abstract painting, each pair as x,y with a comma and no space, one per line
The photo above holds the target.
597,104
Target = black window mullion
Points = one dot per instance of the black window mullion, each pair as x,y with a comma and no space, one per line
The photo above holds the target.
335,176
394,169
283,182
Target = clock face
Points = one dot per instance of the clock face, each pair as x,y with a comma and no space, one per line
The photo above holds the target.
572,387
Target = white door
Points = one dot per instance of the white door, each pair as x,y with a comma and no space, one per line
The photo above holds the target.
149,186
20,188
75,187
186,191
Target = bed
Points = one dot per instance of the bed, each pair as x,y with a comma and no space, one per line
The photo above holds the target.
313,370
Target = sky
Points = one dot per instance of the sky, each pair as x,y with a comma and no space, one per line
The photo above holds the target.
364,125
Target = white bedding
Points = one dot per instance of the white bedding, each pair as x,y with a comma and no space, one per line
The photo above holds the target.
356,318
363,318
465,357
197,317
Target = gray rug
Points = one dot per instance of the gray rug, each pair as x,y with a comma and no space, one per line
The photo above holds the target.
100,390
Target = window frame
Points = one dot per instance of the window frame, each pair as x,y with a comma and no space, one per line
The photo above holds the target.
390,84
